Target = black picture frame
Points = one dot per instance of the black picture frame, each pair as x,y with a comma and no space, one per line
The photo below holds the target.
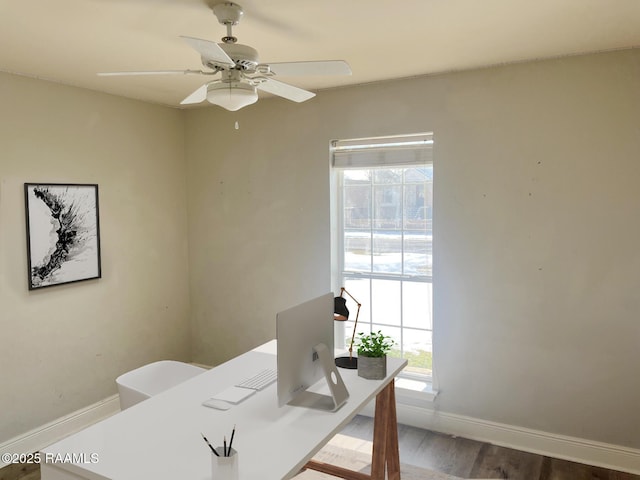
63,233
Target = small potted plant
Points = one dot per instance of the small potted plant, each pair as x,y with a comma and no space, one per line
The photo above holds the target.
372,354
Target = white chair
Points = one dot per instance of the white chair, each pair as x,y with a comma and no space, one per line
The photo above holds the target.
149,380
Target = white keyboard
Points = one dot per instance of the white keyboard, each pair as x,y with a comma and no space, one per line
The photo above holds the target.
260,380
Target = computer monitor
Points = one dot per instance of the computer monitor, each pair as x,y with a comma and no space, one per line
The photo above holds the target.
305,355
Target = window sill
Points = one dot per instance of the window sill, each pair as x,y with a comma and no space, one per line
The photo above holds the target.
414,392
411,396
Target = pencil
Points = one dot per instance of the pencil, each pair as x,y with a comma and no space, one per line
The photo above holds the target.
212,449
233,432
225,447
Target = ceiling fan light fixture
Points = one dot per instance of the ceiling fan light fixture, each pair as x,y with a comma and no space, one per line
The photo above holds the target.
232,97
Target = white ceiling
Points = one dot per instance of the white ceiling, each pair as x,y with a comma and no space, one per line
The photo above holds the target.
69,41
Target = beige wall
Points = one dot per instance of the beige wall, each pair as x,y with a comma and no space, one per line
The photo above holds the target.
258,210
536,238
62,347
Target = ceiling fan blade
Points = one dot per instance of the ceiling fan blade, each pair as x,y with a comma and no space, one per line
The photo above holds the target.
200,95
326,67
210,50
151,72
285,90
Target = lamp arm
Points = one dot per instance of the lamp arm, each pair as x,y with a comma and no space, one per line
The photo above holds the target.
344,290
353,336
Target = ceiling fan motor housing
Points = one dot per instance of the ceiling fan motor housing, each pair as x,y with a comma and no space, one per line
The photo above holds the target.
245,57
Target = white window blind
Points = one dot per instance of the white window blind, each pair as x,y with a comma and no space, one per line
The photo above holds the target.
401,150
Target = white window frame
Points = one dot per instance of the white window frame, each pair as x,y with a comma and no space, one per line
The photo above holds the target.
397,151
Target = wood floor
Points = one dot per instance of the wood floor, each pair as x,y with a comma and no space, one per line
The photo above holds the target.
444,453
22,472
471,459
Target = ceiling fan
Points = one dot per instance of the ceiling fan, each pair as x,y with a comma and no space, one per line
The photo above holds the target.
241,73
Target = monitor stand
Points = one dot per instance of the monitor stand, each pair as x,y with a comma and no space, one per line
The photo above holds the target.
339,393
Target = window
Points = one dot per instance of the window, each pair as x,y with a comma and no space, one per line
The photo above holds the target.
383,210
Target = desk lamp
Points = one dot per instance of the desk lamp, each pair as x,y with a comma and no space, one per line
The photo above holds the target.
341,314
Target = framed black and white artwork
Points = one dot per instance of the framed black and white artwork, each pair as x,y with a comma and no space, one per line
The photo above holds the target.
63,233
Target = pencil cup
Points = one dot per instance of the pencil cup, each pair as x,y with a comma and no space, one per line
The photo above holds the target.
224,468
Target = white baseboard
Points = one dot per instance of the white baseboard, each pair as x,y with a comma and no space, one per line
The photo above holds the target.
39,438
558,446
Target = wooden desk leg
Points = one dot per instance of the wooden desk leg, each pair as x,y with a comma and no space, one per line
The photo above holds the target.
393,448
386,454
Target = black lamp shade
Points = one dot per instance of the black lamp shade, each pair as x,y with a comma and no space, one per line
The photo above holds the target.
340,308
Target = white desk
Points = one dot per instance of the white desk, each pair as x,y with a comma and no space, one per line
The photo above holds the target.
159,439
